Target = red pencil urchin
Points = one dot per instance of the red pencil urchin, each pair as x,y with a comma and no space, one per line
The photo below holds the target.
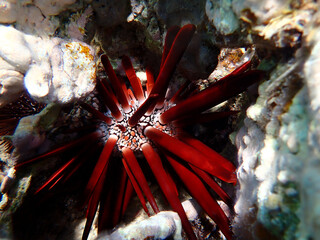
143,121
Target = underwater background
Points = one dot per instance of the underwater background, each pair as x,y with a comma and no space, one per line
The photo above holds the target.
50,72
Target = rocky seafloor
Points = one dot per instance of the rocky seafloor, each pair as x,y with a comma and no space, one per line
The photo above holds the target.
274,142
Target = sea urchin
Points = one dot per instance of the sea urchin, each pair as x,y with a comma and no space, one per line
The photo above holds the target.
140,120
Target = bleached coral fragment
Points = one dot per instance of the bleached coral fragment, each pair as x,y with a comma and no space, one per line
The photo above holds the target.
271,165
310,207
10,85
254,111
14,48
159,224
37,80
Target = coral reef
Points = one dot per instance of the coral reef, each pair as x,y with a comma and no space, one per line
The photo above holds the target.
127,128
49,48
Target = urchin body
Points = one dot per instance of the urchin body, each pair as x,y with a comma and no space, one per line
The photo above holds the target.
133,136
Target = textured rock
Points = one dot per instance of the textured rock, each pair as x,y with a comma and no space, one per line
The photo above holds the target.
50,7
279,144
270,161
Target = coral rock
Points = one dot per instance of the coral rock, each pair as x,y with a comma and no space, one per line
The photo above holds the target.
14,49
50,7
10,85
8,12
37,80
55,70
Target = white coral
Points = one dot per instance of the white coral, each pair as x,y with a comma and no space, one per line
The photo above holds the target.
10,85
51,70
14,48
